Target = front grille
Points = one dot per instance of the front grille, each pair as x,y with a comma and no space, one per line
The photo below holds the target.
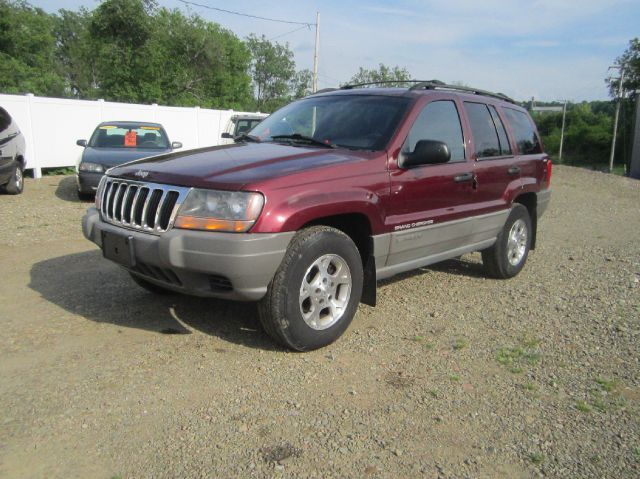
148,207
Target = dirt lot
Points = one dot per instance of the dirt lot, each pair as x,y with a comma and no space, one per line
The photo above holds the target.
452,375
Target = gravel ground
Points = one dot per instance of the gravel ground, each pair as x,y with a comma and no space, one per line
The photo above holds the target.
453,375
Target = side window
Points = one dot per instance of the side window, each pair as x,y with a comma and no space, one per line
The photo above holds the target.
5,120
524,132
485,136
505,147
439,121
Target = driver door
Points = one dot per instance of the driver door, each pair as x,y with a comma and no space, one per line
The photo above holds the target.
431,204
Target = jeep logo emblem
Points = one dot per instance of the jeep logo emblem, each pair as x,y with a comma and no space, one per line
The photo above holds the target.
141,173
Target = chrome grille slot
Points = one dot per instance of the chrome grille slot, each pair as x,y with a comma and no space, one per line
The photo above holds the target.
147,207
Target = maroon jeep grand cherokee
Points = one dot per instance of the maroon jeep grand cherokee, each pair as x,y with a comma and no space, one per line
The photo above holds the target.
325,197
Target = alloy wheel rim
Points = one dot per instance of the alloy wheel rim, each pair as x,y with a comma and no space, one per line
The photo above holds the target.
325,291
517,242
18,178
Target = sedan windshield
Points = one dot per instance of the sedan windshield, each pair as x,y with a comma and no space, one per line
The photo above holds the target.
362,122
129,135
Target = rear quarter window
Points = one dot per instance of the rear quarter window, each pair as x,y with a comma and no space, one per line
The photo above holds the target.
523,131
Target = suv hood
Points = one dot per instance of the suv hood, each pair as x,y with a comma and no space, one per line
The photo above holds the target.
230,167
117,156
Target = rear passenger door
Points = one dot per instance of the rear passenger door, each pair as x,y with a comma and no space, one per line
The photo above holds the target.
529,148
495,172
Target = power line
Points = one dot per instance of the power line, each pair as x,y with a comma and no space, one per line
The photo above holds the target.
187,2
292,31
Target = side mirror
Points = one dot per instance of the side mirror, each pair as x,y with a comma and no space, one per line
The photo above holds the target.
176,144
227,135
82,143
427,152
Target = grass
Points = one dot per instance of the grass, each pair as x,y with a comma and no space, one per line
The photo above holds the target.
606,384
455,377
584,407
530,387
459,344
58,171
421,339
536,458
514,359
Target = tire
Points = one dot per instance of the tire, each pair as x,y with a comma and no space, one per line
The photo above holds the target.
85,196
309,278
151,287
15,186
507,256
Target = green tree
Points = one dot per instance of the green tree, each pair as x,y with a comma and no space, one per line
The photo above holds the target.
74,53
630,62
27,51
273,70
301,84
195,62
394,76
119,31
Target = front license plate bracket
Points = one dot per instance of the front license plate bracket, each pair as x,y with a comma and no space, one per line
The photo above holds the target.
119,249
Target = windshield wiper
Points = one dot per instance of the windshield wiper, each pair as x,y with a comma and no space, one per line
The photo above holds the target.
247,137
308,139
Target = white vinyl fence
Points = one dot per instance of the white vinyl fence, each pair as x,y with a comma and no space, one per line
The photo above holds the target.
51,126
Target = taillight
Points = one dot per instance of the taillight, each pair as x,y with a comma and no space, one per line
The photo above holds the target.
547,171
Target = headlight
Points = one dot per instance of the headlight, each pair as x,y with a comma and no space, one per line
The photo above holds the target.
92,167
211,210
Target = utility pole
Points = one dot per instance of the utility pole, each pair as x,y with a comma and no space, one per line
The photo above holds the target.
564,114
315,54
615,121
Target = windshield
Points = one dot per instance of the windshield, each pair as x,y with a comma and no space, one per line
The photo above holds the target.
362,122
120,135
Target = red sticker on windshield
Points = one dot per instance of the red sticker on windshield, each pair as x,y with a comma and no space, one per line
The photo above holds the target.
130,138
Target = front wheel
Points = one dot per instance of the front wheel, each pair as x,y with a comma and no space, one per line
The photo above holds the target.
315,293
507,256
16,183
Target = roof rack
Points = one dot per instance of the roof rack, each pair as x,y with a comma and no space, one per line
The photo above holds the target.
325,90
382,82
433,85
436,84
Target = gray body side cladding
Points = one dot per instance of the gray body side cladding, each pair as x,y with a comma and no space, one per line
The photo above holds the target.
543,199
249,261
410,249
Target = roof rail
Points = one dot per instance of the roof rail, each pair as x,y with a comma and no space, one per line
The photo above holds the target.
381,82
325,90
436,84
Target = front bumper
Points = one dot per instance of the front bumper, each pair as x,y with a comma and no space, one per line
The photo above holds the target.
237,266
88,181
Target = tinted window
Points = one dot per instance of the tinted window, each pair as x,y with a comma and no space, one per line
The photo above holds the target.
439,121
5,120
485,136
505,147
121,135
524,132
364,122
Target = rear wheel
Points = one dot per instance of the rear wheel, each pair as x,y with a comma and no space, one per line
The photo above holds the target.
315,293
507,256
15,186
151,287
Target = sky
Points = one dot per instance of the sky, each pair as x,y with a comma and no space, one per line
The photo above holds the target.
546,49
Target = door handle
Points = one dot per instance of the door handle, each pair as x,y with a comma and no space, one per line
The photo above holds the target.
514,170
463,177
